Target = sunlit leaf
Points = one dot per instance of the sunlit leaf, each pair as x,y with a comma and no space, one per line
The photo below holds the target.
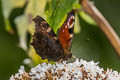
56,12
77,27
22,27
25,24
36,7
87,18
8,6
35,57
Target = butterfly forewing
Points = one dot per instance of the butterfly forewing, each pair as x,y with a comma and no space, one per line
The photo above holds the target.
41,26
45,41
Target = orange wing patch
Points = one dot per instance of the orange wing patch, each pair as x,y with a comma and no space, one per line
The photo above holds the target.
65,33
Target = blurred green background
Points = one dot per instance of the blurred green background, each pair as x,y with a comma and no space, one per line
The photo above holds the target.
89,41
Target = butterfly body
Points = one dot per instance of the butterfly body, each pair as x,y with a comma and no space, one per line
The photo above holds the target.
47,44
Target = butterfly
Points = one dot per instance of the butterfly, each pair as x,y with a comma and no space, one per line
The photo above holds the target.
49,45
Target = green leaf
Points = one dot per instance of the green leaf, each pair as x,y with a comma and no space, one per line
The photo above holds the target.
87,18
7,7
77,27
56,12
11,56
22,27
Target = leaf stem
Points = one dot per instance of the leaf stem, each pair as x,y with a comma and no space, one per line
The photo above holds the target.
90,9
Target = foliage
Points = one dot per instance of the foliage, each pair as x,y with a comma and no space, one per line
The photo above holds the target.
89,41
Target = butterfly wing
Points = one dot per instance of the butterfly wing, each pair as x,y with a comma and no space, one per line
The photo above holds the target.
41,26
45,41
65,33
47,45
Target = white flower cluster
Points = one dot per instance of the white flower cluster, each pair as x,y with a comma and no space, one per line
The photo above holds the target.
78,70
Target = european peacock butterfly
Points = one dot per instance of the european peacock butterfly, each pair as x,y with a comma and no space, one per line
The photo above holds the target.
47,44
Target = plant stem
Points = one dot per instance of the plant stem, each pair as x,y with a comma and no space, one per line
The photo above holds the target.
90,9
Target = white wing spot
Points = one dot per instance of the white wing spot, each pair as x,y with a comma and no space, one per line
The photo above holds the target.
71,35
49,29
69,20
66,25
43,28
72,17
55,38
43,22
71,25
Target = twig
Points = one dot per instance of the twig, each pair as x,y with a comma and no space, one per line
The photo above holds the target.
90,9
